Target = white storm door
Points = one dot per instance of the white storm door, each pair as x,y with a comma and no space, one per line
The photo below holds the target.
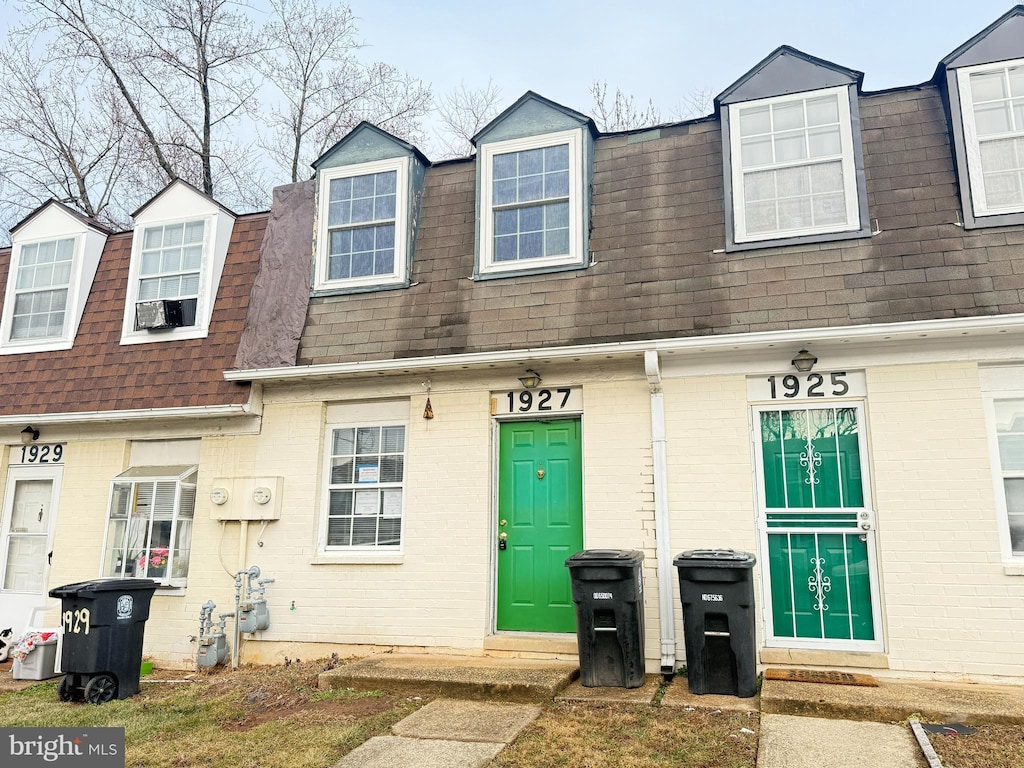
29,513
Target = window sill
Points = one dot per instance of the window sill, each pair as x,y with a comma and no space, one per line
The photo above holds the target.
358,558
1013,569
170,334
21,348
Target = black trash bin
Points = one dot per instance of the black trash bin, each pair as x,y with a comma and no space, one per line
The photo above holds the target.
608,589
102,622
717,593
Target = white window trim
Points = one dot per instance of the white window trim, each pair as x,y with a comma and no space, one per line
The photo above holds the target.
362,553
972,143
848,163
65,340
207,287
1013,561
169,580
574,138
327,175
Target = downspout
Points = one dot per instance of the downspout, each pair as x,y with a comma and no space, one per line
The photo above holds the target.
666,607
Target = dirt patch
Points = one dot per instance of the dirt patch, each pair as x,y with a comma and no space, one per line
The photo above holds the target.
312,712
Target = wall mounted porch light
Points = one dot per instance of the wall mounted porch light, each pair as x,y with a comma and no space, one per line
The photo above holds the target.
531,380
804,361
29,435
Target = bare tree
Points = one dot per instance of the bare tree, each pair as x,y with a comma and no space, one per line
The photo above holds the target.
50,141
181,67
326,90
463,112
697,103
622,113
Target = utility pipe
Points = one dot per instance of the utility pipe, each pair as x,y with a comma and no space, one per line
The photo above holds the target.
666,606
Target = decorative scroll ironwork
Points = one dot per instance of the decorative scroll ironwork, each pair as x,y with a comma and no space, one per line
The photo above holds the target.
812,460
819,584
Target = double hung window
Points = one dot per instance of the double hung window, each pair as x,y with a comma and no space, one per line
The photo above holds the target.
1009,421
366,486
42,276
363,211
531,203
992,109
793,166
171,263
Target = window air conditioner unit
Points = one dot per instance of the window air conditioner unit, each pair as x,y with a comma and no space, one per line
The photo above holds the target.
158,315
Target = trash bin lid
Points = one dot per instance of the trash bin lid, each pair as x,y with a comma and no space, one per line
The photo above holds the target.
103,585
618,557
714,558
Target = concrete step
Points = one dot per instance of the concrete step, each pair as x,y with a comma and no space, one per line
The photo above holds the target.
894,701
459,677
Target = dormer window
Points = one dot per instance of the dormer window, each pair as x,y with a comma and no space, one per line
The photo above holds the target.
795,173
533,202
363,232
41,279
178,253
792,155
992,103
369,190
172,256
54,255
531,198
984,81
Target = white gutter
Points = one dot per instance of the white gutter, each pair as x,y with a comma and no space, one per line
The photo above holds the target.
250,408
666,606
877,333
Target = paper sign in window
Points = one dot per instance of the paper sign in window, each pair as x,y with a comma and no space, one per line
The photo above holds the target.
366,503
368,473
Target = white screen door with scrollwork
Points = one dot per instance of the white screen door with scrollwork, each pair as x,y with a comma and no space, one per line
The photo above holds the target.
29,511
817,528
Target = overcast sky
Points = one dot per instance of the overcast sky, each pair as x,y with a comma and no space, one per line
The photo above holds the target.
658,49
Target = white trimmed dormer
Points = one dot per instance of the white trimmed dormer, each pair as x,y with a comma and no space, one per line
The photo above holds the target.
54,255
178,251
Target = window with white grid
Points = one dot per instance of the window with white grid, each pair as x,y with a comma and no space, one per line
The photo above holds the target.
992,108
793,166
42,275
366,486
531,203
363,213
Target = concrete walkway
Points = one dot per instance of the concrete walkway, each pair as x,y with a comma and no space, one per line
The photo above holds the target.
803,725
789,741
445,734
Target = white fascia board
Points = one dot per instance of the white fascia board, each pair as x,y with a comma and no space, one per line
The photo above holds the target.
881,333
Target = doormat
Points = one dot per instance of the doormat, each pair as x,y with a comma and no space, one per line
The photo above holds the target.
820,676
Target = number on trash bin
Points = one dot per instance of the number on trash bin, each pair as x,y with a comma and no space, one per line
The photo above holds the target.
76,622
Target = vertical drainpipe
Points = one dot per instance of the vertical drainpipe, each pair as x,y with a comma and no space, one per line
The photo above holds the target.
666,608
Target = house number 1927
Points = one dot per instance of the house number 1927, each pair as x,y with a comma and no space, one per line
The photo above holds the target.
527,400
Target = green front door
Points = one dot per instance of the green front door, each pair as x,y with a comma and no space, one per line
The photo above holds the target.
817,528
540,522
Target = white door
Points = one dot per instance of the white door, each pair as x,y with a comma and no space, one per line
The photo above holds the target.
29,513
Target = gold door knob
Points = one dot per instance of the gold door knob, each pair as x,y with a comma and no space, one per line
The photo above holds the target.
540,473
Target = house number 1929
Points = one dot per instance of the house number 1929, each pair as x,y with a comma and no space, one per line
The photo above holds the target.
812,385
42,454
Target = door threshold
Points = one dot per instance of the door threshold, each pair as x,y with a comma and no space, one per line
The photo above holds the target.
532,642
825,658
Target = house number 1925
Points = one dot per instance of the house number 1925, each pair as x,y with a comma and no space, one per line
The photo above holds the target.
812,385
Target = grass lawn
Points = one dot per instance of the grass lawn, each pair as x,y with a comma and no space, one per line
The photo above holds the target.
276,717
592,736
992,746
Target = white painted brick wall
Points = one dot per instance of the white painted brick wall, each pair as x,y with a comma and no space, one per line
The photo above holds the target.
949,607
